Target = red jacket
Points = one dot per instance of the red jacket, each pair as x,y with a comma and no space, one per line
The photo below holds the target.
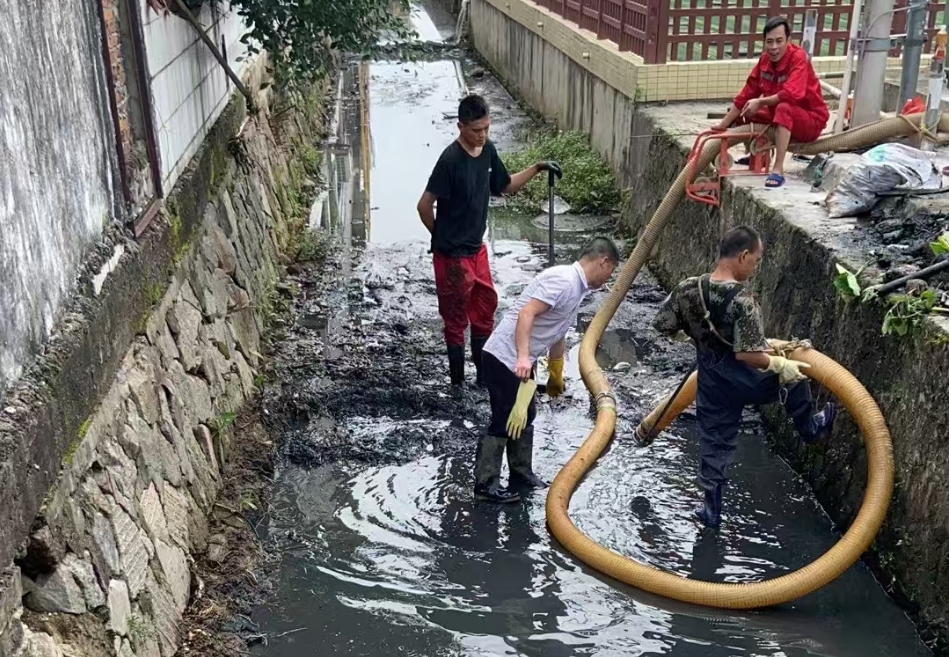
791,78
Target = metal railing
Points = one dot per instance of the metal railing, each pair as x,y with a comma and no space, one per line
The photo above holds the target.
663,31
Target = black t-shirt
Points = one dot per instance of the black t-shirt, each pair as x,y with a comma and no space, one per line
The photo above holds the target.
462,185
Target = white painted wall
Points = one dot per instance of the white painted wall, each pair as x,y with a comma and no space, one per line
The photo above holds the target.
57,161
189,87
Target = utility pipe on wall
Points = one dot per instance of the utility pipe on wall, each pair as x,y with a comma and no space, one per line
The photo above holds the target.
911,52
935,86
876,42
809,32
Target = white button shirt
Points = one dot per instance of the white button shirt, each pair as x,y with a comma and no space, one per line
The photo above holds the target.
562,288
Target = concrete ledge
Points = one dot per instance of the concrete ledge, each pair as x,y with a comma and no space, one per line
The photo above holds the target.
647,147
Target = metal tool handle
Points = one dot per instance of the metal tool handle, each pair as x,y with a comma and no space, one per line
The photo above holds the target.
551,218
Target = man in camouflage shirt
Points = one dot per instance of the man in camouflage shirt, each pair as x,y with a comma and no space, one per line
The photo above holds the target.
719,313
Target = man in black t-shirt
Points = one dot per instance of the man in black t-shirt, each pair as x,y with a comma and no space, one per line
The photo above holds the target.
468,172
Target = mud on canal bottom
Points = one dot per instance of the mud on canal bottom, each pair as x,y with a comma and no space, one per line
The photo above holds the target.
381,548
386,552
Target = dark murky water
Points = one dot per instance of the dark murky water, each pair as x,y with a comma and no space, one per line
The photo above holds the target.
384,550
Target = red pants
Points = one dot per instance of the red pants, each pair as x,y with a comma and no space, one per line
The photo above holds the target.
466,295
804,126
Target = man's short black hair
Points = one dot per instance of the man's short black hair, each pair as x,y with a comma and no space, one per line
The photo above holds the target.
737,240
472,108
601,247
775,22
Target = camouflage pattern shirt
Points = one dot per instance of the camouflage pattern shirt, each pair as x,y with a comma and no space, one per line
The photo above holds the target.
742,322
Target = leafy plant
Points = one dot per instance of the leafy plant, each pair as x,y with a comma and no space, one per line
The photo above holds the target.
847,283
302,36
221,423
905,312
588,184
940,246
314,246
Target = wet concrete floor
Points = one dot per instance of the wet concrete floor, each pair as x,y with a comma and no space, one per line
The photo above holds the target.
384,551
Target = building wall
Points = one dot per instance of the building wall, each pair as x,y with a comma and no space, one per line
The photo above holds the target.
57,159
189,87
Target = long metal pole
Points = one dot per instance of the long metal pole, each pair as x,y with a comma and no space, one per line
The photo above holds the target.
551,219
911,52
809,32
191,20
876,42
849,56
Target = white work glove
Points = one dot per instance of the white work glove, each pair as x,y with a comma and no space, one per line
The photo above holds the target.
776,345
788,370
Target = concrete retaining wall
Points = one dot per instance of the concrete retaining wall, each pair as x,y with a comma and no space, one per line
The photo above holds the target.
111,446
908,377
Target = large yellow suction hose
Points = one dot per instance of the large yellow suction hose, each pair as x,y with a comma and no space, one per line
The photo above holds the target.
833,376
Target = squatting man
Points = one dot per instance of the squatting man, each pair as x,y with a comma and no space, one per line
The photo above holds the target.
783,92
734,365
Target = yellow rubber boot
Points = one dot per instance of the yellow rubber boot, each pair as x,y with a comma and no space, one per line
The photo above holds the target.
556,377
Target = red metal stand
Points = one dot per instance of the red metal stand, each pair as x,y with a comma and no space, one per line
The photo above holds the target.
704,190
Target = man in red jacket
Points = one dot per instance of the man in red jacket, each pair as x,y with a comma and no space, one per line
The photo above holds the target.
782,91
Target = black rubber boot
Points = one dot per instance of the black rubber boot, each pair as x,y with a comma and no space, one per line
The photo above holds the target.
477,345
521,475
488,467
823,421
457,365
709,512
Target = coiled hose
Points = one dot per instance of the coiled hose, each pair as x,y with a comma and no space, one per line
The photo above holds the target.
826,371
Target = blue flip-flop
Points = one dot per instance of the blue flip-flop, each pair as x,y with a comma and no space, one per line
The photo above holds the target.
775,180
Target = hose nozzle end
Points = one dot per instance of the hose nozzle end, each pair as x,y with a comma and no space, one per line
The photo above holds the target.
642,436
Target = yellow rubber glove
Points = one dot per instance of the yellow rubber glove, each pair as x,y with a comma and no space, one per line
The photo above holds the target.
556,377
518,418
788,370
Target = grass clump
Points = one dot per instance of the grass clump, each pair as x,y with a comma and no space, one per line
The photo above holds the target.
588,185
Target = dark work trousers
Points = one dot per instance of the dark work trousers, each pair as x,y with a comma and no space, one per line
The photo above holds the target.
724,386
502,385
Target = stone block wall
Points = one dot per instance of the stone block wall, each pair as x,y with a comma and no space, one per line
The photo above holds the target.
106,567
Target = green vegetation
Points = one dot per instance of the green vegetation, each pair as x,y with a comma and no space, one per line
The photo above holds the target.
903,312
139,631
221,423
940,246
310,158
588,185
301,37
313,246
77,441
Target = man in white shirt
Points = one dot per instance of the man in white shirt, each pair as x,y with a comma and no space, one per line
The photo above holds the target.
535,324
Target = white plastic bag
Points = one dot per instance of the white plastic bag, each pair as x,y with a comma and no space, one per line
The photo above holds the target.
884,168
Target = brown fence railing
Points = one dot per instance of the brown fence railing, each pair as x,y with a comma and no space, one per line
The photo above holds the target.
663,31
